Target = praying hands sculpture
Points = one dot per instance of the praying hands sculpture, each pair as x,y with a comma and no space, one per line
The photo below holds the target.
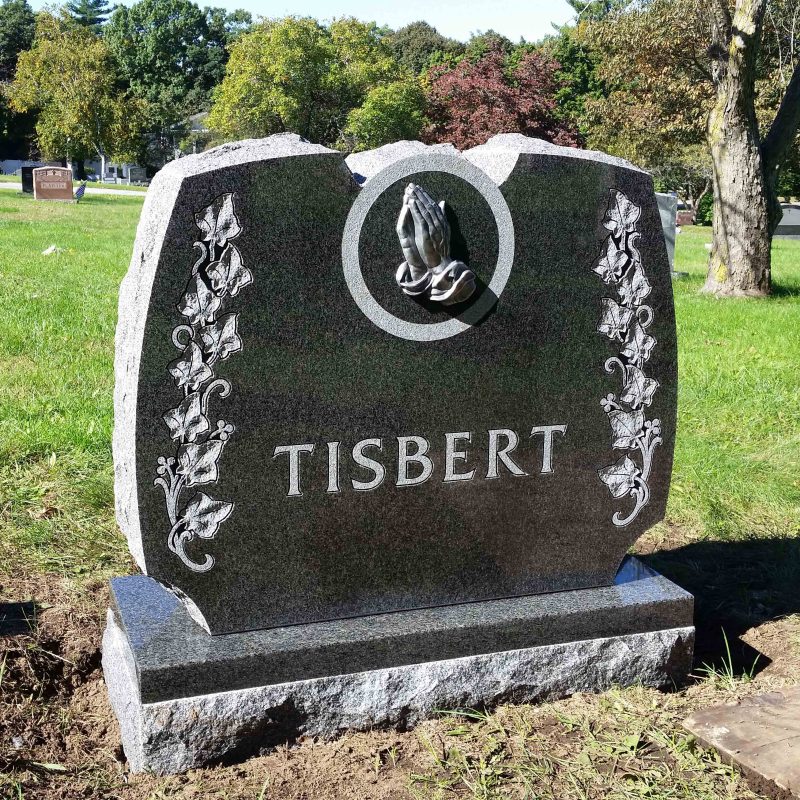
428,269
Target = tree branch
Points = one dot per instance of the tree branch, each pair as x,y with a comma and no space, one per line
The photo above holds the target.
784,126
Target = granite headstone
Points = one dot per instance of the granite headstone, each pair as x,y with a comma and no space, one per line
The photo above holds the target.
26,176
789,226
407,387
52,183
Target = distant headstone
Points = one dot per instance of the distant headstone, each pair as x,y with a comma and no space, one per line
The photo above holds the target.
789,226
137,174
52,183
668,211
363,425
26,175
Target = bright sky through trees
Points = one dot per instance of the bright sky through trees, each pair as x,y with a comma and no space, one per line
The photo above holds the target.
456,18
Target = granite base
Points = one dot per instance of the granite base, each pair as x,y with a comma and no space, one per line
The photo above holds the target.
384,670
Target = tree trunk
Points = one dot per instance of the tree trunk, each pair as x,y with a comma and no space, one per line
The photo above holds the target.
740,258
740,254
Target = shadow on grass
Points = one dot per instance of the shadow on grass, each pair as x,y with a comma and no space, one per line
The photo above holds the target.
778,290
736,586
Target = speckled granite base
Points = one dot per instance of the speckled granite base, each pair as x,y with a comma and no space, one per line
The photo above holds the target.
264,687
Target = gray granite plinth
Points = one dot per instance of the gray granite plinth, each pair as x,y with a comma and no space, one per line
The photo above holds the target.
185,698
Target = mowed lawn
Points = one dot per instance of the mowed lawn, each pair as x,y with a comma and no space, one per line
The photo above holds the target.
737,462
731,537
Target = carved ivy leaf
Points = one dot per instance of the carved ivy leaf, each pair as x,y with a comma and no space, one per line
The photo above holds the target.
634,286
612,263
203,515
229,274
638,344
187,421
218,221
639,389
221,339
198,462
198,303
189,369
627,427
615,319
622,215
620,477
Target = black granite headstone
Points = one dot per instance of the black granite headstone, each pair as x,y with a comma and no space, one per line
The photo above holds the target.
299,439
26,174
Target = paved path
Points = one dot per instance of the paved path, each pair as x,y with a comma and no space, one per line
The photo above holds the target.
89,190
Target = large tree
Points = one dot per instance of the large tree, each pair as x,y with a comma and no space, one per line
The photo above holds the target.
418,44
89,13
472,101
722,73
68,77
295,74
746,166
172,55
16,35
389,113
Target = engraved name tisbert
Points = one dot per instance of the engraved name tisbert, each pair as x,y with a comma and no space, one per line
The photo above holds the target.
414,465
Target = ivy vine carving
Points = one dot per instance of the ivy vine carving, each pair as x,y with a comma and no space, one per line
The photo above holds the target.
625,320
206,338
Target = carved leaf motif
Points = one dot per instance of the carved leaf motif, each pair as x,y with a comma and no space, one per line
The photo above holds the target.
198,462
229,274
638,344
620,477
612,262
639,389
198,303
187,421
622,215
221,339
615,319
203,515
627,427
634,286
218,221
189,369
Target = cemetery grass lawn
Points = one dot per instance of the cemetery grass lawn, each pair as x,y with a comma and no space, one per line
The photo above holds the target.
732,537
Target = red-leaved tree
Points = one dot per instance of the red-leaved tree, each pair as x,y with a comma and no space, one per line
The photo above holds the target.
469,103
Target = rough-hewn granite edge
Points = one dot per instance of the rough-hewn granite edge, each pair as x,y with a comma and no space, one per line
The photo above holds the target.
177,735
498,157
134,299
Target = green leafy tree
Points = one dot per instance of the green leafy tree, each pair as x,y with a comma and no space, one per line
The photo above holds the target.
576,75
172,55
89,13
16,35
295,74
390,113
418,46
482,43
68,77
722,72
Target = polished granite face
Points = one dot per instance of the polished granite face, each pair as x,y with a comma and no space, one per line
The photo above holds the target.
327,450
175,658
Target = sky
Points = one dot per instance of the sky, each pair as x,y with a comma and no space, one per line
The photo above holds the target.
531,19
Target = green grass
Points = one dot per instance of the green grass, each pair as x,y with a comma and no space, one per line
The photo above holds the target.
56,379
737,459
